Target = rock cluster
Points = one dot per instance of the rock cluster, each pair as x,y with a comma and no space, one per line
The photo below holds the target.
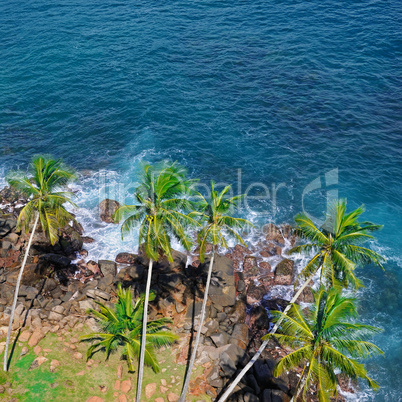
56,293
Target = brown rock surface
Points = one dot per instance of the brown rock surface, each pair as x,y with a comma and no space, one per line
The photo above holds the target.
107,208
150,390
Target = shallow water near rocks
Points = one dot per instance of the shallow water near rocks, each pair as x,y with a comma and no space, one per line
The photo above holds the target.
303,97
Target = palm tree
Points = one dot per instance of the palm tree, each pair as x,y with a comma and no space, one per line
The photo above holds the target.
337,246
219,225
159,213
47,177
337,252
122,327
325,342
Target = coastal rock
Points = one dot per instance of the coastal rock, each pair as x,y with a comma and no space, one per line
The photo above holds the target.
238,311
126,258
107,267
37,362
284,272
230,356
87,239
307,296
135,272
93,267
106,210
36,337
70,241
222,295
178,263
250,267
220,339
56,259
240,332
255,293
10,195
275,304
150,389
258,318
6,226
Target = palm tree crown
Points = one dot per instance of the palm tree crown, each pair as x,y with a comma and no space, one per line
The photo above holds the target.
160,209
337,245
323,341
219,224
122,326
43,187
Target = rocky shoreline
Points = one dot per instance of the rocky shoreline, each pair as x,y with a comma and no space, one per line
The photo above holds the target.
59,285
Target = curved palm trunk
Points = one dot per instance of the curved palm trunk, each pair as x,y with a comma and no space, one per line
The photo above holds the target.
144,333
17,288
300,387
264,344
197,338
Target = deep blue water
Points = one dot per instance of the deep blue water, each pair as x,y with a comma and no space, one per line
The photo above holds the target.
284,91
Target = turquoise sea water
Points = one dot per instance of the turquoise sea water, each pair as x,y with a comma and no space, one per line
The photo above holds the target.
284,91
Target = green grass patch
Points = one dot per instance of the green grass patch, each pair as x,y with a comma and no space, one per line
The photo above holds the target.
74,380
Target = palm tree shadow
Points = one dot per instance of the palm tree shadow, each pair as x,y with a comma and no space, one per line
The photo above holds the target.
12,350
244,360
190,344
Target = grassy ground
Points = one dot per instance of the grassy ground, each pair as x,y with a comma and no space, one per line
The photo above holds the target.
77,380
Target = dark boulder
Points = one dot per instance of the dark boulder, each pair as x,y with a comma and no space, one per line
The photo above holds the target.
259,317
266,396
56,259
275,304
255,293
252,383
6,226
249,397
178,263
171,281
279,396
126,258
262,373
135,272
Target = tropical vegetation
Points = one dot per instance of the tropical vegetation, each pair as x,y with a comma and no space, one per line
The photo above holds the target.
337,248
162,200
324,343
121,328
219,225
44,186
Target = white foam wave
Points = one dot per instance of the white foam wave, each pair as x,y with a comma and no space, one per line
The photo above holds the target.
3,182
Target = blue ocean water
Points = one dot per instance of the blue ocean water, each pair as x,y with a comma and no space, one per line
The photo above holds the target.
275,93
